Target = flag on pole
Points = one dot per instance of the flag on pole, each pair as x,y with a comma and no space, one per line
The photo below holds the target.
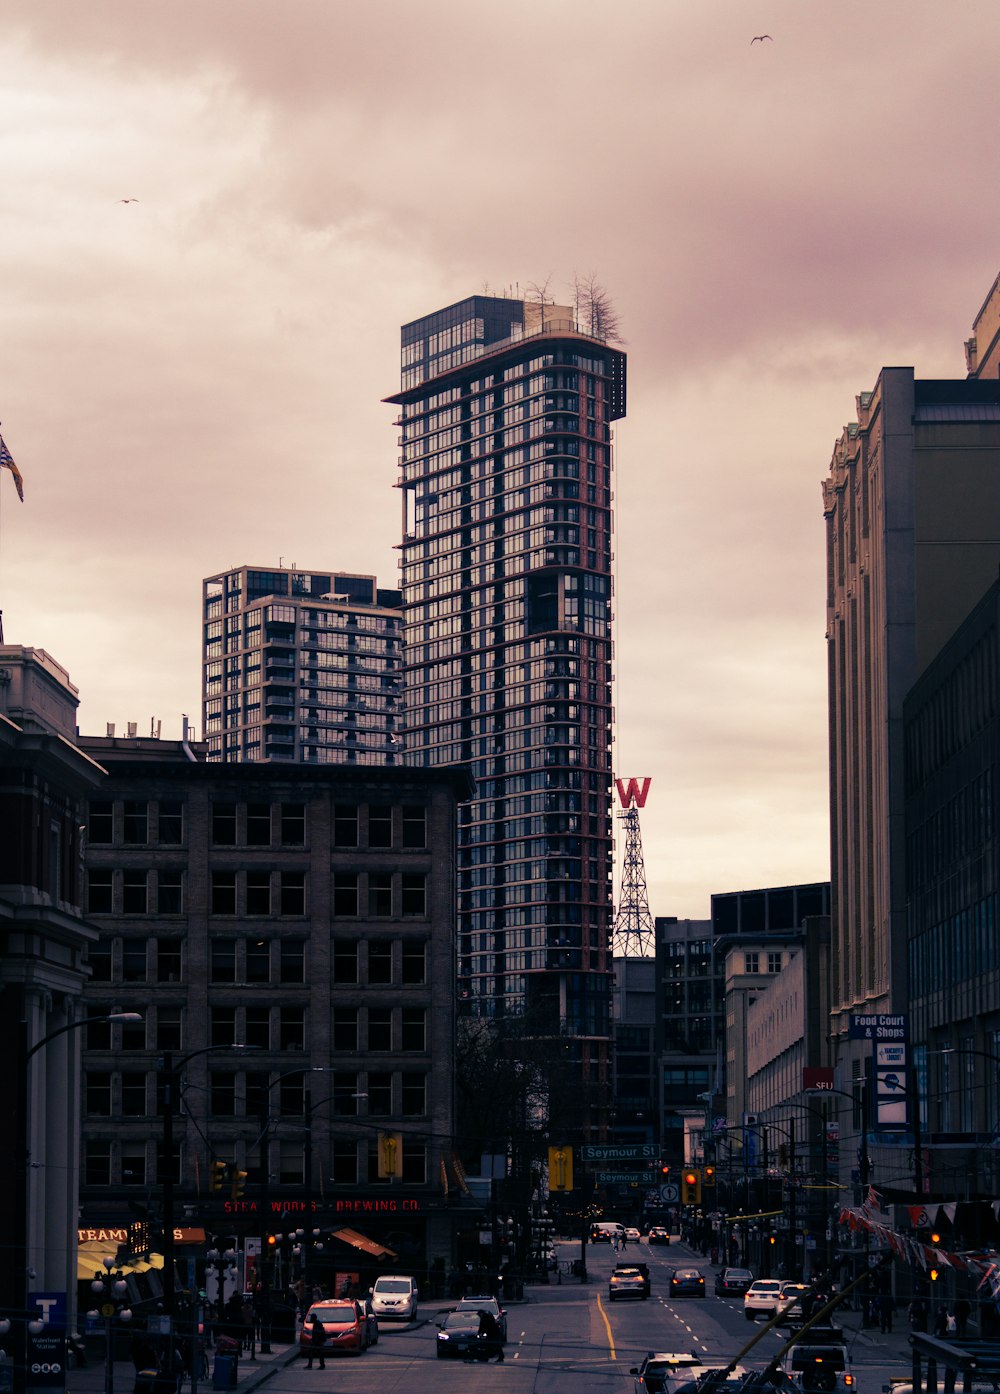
7,463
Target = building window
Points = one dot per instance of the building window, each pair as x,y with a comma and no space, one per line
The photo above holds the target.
379,1093
344,1160
291,1164
133,1164
345,825
293,1028
133,960
345,1028
413,1097
258,893
134,1094
258,1027
223,825
774,963
133,1035
380,825
135,822
293,960
345,960
414,1029
293,825
135,893
380,1028
168,960
223,892
292,885
100,892
168,1028
414,962
97,1164
258,825
170,892
222,1087
414,898
751,963
379,894
98,1033
345,1093
380,960
99,958
345,894
98,1093
171,829
100,822
292,1097
258,952
223,1026
222,960
414,825
414,1163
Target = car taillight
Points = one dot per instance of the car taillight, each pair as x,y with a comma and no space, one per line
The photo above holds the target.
848,1381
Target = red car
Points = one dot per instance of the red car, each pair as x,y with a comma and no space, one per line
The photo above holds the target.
349,1329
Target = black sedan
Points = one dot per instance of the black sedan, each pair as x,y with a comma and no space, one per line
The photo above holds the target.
687,1282
658,1235
732,1281
459,1335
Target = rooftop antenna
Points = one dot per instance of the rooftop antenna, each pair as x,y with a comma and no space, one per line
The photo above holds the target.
633,934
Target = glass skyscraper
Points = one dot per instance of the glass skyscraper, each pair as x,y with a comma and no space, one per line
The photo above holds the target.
505,471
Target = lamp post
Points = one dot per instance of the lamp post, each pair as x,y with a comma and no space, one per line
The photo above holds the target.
16,1205
113,1292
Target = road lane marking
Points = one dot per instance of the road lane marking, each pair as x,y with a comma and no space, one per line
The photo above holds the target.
607,1327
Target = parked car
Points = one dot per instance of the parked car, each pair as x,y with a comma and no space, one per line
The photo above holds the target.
458,1334
486,1304
349,1328
687,1282
658,1235
394,1297
761,1298
730,1281
628,1280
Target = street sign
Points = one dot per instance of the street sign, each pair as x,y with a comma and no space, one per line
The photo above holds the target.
621,1152
612,1178
670,1192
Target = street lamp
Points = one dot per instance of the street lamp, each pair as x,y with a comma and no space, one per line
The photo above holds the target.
16,1205
113,1291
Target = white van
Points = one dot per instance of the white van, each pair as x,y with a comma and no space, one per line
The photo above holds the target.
394,1296
604,1231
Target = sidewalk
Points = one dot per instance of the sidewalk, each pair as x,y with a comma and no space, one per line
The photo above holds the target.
249,1374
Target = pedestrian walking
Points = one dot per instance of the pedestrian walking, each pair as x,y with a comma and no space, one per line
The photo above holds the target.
489,1337
317,1335
918,1314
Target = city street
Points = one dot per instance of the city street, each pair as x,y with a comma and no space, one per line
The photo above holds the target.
565,1338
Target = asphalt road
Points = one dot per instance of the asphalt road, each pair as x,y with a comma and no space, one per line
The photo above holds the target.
569,1339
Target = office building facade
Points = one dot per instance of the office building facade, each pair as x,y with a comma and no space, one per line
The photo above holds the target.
301,666
308,914
506,478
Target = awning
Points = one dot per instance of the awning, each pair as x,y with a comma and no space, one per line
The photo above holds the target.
362,1242
90,1260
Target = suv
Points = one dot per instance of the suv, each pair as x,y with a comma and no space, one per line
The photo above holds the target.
629,1280
821,1363
762,1297
394,1296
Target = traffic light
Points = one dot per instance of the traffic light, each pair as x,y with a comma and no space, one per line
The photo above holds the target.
708,1176
390,1155
217,1175
665,1171
560,1168
239,1182
691,1186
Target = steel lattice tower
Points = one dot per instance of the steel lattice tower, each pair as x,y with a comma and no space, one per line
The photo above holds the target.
633,935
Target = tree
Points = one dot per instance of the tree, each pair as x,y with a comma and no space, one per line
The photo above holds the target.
595,310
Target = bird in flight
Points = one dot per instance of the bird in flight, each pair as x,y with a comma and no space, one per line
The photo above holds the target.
128,200
757,39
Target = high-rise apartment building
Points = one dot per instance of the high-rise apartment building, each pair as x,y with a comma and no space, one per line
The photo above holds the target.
301,665
506,471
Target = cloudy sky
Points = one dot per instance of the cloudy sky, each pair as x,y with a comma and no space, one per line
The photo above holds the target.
194,380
